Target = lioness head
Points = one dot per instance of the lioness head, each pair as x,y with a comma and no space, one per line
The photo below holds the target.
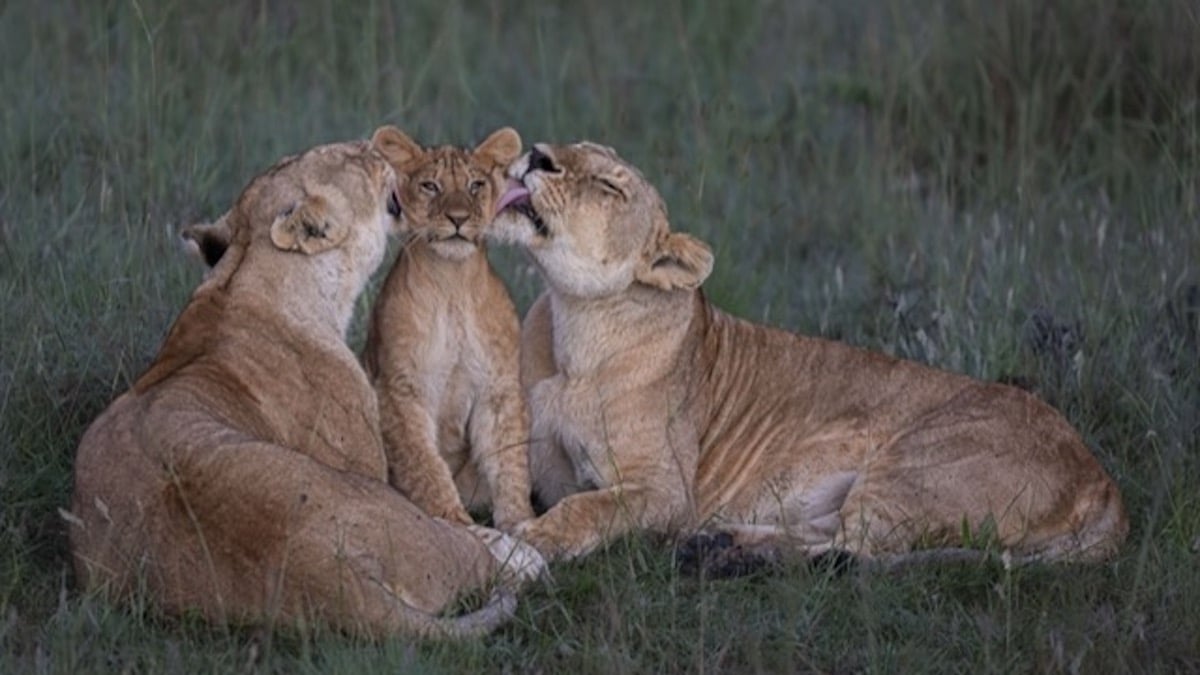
594,225
448,193
328,197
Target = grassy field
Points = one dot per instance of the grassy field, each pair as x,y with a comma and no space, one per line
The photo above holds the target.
1004,189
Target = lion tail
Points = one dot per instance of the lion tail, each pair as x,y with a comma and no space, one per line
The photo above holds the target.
500,608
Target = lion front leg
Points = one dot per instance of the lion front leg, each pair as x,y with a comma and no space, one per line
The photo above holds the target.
638,458
415,467
499,446
550,469
551,472
583,522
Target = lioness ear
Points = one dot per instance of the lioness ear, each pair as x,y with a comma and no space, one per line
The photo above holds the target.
207,241
502,147
679,261
307,227
395,147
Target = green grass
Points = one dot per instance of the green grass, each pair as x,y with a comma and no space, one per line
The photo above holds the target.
1004,189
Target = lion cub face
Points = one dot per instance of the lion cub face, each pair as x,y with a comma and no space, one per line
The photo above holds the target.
448,193
593,224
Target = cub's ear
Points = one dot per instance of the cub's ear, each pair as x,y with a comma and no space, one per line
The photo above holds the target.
207,241
679,261
396,147
308,227
502,147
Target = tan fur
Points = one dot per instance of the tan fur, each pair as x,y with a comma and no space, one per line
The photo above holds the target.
243,477
651,409
443,342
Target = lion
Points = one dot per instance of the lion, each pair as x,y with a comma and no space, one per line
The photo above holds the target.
243,477
442,345
653,410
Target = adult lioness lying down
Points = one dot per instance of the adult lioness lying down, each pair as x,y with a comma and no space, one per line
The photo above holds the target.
653,409
243,476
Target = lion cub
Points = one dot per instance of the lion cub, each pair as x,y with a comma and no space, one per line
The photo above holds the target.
443,341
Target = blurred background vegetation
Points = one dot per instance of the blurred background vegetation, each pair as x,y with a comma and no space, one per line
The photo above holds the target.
1004,189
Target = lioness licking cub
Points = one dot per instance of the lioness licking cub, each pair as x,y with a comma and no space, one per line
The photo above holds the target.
652,409
243,477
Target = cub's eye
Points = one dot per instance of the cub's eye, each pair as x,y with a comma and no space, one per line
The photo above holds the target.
475,186
429,187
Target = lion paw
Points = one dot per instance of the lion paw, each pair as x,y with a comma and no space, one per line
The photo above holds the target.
520,563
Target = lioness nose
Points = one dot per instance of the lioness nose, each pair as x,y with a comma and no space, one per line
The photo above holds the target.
539,160
457,218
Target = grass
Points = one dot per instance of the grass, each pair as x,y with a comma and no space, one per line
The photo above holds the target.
1004,189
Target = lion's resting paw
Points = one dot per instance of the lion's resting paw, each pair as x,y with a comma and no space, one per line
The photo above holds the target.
520,563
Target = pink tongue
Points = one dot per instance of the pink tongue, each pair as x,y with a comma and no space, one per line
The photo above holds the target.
515,192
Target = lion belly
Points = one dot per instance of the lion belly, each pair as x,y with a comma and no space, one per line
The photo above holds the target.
876,454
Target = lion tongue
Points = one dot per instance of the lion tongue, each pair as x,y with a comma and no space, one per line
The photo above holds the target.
515,193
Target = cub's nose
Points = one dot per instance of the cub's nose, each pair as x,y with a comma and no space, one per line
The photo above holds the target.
457,218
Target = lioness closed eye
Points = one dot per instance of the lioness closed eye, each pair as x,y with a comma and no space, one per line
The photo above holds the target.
653,409
243,476
442,346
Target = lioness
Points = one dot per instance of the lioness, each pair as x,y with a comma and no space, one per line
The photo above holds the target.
443,342
243,477
653,409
